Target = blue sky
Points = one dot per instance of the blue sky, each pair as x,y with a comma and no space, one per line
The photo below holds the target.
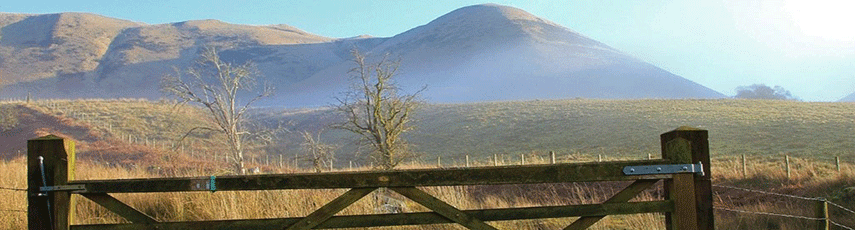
805,46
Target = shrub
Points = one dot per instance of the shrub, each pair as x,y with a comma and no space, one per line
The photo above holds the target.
761,91
8,117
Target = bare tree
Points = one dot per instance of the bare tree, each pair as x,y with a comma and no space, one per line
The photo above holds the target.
376,111
216,85
321,154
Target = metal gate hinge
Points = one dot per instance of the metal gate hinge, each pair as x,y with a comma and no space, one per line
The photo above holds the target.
73,188
664,169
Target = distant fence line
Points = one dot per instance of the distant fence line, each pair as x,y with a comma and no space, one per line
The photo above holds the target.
788,167
297,161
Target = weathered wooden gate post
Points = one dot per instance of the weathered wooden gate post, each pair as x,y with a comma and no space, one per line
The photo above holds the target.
55,156
698,142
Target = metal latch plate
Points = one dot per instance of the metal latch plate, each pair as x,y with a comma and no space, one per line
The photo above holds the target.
664,169
74,187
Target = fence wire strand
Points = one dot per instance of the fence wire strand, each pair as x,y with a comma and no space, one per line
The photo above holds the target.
840,225
13,189
767,193
770,214
12,210
786,195
841,207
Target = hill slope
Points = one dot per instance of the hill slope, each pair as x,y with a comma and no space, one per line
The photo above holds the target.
575,129
60,47
614,128
476,53
850,98
493,52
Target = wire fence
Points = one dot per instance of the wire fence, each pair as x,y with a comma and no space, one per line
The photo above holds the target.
13,210
768,193
13,189
16,190
769,214
786,215
840,225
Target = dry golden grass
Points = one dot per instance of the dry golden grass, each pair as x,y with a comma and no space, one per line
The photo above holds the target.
12,202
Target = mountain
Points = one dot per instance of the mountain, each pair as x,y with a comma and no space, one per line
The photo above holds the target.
476,53
55,47
850,98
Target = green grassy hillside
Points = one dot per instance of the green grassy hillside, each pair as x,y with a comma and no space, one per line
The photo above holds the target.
584,129
576,129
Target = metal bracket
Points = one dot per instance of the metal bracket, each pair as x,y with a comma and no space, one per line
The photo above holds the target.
664,169
204,184
73,188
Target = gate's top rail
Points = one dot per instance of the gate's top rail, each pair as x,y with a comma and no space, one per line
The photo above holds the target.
525,174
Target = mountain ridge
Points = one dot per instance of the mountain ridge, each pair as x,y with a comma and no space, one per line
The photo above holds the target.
475,53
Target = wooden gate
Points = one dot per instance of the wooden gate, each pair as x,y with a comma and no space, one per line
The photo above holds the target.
687,203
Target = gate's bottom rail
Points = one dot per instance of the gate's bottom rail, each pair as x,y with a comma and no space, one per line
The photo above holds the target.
417,218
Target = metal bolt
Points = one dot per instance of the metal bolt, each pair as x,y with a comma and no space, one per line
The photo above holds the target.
631,169
658,168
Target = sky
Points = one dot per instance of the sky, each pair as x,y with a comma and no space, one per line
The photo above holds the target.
804,46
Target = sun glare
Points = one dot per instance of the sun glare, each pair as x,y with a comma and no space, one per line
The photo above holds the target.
828,19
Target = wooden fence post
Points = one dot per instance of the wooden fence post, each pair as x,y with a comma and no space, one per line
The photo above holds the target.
822,214
551,157
522,159
744,170
787,164
467,161
56,156
698,144
837,163
495,160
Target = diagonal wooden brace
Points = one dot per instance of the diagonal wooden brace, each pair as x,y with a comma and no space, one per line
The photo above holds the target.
442,208
121,209
324,213
623,196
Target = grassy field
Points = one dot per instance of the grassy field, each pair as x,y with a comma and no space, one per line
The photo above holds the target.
137,138
616,129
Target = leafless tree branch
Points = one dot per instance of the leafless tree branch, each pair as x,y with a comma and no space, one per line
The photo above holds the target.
216,85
